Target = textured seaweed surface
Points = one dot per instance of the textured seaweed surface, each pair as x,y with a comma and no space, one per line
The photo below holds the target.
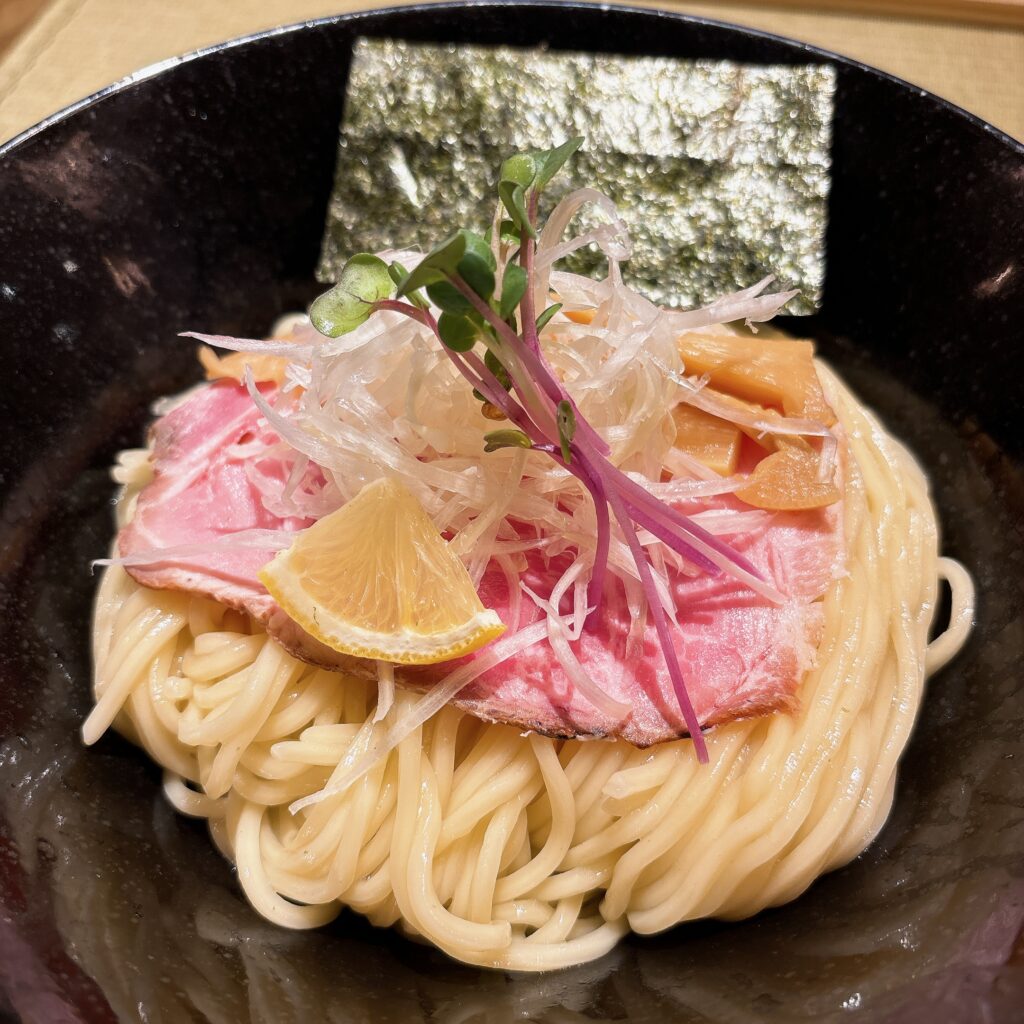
719,169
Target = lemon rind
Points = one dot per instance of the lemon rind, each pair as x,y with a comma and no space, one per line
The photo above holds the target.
405,647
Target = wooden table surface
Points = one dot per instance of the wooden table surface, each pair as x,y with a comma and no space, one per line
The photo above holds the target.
15,16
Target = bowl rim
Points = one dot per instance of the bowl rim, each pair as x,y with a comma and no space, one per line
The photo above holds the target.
813,51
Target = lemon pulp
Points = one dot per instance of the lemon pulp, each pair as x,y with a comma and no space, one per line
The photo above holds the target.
375,579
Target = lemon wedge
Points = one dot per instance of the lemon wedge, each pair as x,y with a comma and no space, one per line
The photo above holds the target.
376,580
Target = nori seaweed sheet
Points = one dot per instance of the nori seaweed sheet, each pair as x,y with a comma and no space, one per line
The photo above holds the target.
720,169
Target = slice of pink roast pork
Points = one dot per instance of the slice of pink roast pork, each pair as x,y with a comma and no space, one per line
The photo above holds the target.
741,655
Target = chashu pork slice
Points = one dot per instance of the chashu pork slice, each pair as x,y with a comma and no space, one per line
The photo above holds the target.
740,654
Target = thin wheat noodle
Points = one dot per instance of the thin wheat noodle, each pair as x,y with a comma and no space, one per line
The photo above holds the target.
524,852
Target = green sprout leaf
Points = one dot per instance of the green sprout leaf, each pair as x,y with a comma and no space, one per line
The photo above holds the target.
494,364
477,265
513,197
477,245
398,275
506,439
458,333
513,288
545,317
448,298
565,417
365,280
551,161
438,264
509,232
520,169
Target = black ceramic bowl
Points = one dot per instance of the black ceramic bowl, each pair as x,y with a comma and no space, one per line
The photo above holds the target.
195,198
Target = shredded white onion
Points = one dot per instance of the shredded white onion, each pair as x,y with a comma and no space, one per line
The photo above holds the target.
259,540
559,636
385,690
384,400
271,347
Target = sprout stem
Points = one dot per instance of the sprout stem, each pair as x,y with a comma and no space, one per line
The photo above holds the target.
532,368
423,316
707,544
490,387
541,407
515,357
527,307
660,622
595,588
472,369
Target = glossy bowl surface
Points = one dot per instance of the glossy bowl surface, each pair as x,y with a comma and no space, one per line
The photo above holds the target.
194,197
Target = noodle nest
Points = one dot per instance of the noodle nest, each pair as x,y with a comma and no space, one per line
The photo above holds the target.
520,851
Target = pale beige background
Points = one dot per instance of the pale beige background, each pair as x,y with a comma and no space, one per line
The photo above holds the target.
78,46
